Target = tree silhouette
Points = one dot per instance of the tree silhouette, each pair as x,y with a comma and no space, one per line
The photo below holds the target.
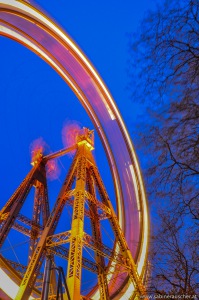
174,259
164,60
164,73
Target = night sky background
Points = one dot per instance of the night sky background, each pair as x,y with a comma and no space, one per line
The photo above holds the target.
36,102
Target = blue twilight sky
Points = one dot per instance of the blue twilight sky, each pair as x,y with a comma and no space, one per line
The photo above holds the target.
36,102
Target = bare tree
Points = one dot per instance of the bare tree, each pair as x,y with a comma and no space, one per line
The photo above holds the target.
175,261
164,68
165,52
174,170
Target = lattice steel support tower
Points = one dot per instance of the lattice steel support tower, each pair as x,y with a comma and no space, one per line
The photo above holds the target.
84,176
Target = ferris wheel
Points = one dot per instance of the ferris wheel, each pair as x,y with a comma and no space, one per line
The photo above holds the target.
24,23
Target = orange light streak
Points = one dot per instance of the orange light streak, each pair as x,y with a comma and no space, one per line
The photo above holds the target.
52,169
108,109
37,148
70,132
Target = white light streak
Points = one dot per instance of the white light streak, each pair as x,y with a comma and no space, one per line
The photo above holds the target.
113,113
9,286
135,186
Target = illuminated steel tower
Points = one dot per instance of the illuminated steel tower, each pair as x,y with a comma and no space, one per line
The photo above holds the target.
83,183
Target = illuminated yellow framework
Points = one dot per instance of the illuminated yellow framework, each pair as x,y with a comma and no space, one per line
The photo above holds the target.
44,243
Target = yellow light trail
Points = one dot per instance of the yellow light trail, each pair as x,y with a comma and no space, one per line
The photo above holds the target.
111,110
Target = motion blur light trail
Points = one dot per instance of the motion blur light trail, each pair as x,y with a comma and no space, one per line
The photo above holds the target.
53,170
27,25
38,148
69,134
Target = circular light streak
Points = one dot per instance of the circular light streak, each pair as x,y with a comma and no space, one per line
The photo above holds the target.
27,25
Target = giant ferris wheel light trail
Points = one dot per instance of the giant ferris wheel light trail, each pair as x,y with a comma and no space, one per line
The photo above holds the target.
25,24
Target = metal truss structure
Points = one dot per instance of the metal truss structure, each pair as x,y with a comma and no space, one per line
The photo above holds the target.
83,184
28,25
